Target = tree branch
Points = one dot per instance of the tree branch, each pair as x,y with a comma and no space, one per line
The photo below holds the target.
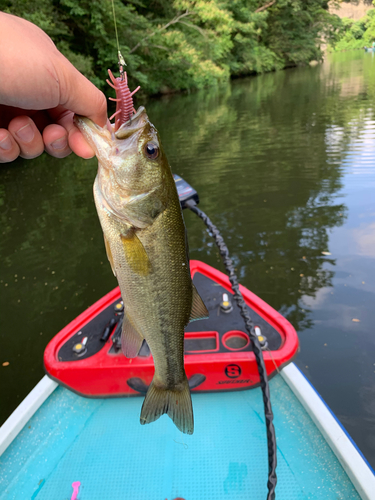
201,31
159,47
173,21
266,6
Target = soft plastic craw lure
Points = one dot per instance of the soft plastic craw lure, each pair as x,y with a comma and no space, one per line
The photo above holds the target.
124,98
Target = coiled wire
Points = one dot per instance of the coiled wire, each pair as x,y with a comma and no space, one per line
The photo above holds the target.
271,436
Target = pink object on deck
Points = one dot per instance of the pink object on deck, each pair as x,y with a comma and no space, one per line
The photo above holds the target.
75,487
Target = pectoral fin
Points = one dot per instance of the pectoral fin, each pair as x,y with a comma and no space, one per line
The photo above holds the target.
135,253
109,254
198,309
131,340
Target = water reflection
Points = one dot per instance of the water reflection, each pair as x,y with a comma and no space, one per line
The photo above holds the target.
257,154
270,157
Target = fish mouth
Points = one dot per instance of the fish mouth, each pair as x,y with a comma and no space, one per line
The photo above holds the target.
106,142
126,140
135,124
99,138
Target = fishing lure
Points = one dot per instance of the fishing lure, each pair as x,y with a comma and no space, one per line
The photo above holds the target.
124,98
75,487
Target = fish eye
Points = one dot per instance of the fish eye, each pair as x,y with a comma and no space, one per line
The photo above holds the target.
152,151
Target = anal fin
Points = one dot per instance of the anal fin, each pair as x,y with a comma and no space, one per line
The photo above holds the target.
131,340
198,309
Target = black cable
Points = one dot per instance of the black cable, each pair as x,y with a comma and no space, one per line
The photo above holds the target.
271,436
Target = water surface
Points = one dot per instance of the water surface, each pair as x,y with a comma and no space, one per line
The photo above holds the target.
285,166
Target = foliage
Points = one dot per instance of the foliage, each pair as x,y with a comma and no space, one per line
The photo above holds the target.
297,32
184,44
356,34
351,36
369,35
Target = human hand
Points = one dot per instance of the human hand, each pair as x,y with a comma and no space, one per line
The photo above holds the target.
40,90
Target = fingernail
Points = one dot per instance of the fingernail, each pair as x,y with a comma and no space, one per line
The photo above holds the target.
25,134
6,144
59,143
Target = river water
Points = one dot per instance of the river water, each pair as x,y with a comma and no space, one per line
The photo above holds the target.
284,164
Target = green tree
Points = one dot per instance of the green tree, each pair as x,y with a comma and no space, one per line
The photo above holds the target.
184,44
298,28
356,34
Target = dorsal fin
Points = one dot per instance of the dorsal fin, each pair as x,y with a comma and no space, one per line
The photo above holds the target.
198,309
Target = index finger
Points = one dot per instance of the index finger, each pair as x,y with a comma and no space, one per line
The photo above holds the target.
77,142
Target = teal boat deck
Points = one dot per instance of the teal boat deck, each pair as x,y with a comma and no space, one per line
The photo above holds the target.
102,444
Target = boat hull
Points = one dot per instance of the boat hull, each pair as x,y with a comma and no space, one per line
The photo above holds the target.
100,443
215,366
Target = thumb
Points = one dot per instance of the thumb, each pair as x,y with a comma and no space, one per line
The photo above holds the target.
81,96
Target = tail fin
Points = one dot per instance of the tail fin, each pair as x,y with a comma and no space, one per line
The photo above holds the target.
176,403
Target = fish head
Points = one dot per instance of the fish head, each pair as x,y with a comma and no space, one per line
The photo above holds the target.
134,174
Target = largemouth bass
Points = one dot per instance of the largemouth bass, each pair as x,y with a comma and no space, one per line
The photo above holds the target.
145,240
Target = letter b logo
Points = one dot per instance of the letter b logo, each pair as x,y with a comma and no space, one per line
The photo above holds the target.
232,371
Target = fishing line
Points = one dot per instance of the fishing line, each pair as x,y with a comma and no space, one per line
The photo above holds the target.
183,444
114,20
121,60
272,358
